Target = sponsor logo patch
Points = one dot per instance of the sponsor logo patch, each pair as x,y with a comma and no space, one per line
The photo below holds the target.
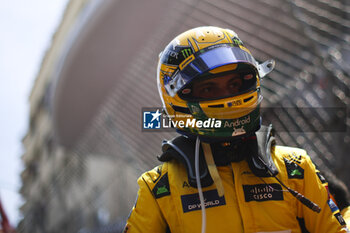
332,205
162,187
294,170
191,202
263,192
340,219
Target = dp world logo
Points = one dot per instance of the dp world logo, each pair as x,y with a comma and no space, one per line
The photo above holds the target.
152,119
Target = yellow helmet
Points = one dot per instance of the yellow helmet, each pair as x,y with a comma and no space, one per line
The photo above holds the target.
205,53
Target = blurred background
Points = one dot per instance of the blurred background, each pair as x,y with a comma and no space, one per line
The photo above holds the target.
84,148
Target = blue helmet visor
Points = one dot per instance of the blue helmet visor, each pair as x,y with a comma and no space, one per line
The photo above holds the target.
205,62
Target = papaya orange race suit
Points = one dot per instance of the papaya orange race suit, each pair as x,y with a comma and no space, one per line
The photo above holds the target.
167,203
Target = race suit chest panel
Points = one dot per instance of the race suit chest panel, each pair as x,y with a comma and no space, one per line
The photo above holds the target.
250,203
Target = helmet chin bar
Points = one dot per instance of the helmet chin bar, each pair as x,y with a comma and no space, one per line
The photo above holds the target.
266,67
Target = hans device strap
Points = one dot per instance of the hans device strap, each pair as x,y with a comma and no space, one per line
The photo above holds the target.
182,149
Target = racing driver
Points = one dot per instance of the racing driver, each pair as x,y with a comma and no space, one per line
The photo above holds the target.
224,172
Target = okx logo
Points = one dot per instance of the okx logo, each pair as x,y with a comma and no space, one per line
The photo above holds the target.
152,119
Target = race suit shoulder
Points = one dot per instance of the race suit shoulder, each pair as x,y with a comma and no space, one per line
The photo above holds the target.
167,203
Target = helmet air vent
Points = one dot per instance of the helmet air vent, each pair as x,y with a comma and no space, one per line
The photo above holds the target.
216,106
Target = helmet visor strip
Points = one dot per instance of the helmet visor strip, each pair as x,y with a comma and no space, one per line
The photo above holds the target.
206,61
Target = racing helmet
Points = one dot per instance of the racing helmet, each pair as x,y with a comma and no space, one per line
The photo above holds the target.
209,84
